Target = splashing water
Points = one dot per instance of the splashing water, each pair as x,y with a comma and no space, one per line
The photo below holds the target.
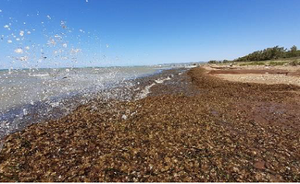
27,92
41,76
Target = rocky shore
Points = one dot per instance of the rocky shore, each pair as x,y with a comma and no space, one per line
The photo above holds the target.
193,127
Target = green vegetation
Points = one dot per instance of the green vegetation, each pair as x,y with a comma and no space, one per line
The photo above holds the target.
294,63
253,63
213,62
216,62
275,56
281,62
274,63
271,54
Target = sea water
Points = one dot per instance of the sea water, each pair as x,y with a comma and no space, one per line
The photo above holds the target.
26,86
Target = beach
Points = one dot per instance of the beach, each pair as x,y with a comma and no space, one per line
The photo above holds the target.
181,125
30,96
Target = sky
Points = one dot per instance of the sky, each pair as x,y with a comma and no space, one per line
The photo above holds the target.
78,33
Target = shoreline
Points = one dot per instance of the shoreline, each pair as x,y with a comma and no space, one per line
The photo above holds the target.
194,127
14,119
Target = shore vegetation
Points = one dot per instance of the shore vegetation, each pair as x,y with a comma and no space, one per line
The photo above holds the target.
275,56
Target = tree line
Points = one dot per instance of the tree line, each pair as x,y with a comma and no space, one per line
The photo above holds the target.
270,54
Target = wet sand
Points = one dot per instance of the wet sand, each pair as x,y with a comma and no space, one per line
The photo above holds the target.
193,127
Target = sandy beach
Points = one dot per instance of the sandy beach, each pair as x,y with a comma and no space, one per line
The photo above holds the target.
202,124
258,74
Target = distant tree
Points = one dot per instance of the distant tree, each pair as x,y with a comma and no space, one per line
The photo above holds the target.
293,51
270,53
294,48
212,62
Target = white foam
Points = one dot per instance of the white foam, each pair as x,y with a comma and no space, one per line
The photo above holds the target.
145,92
160,81
191,66
55,104
25,112
39,75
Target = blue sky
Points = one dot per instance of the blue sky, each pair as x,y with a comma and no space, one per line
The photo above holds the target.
141,32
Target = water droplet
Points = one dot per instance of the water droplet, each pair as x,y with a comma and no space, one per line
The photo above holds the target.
25,112
6,27
19,51
21,33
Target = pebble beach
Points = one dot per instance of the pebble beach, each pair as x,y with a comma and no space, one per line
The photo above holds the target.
190,127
